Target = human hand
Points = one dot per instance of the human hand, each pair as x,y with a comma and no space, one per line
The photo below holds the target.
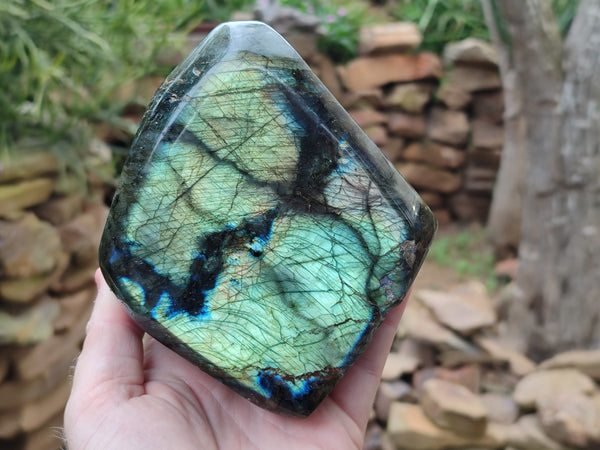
130,392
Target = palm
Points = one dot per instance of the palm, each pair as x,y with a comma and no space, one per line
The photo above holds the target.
134,393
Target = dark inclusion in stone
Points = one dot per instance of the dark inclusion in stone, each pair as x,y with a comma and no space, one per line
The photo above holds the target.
256,230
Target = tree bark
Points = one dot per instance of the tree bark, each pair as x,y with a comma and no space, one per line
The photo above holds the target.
556,304
504,220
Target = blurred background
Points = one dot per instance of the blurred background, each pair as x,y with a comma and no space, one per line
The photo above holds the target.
488,108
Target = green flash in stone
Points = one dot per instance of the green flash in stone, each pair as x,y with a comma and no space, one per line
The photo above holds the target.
256,229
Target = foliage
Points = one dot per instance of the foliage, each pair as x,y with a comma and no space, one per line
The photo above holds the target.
468,253
443,21
60,60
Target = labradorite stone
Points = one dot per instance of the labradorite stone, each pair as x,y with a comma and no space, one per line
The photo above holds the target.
256,229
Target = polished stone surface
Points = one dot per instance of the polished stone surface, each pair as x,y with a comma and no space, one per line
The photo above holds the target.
256,229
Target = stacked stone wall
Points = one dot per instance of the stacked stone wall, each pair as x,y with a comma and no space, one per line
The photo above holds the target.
51,220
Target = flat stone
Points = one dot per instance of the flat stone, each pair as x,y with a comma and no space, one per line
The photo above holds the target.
369,72
443,216
470,51
73,307
81,236
410,428
368,116
27,163
59,210
28,247
392,149
489,106
389,37
410,97
407,125
519,364
389,392
454,97
501,408
453,407
418,323
487,134
26,290
430,178
470,207
376,438
31,326
468,375
571,419
585,361
397,364
256,230
462,313
377,133
448,126
473,78
36,413
527,434
551,383
435,154
24,194
433,199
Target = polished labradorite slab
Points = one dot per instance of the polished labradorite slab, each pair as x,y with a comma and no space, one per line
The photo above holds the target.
256,229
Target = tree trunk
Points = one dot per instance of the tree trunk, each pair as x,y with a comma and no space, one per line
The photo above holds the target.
504,221
556,306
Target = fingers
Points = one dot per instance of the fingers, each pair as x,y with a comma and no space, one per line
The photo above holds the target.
356,391
112,357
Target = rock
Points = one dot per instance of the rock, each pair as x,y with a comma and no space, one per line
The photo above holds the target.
419,324
469,208
501,408
59,210
397,364
464,314
28,247
417,349
46,436
585,361
9,424
410,97
489,106
453,407
468,375
81,236
245,249
410,429
36,413
392,149
489,158
448,126
31,326
31,363
389,392
472,78
551,383
364,98
407,125
368,116
4,365
495,379
432,199
519,364
508,269
26,164
73,307
443,216
388,38
487,134
453,97
25,290
470,51
25,194
479,180
527,434
571,419
422,176
369,72
328,75
376,439
435,154
377,133
75,279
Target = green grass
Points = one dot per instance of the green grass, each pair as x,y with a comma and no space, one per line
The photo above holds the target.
469,254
